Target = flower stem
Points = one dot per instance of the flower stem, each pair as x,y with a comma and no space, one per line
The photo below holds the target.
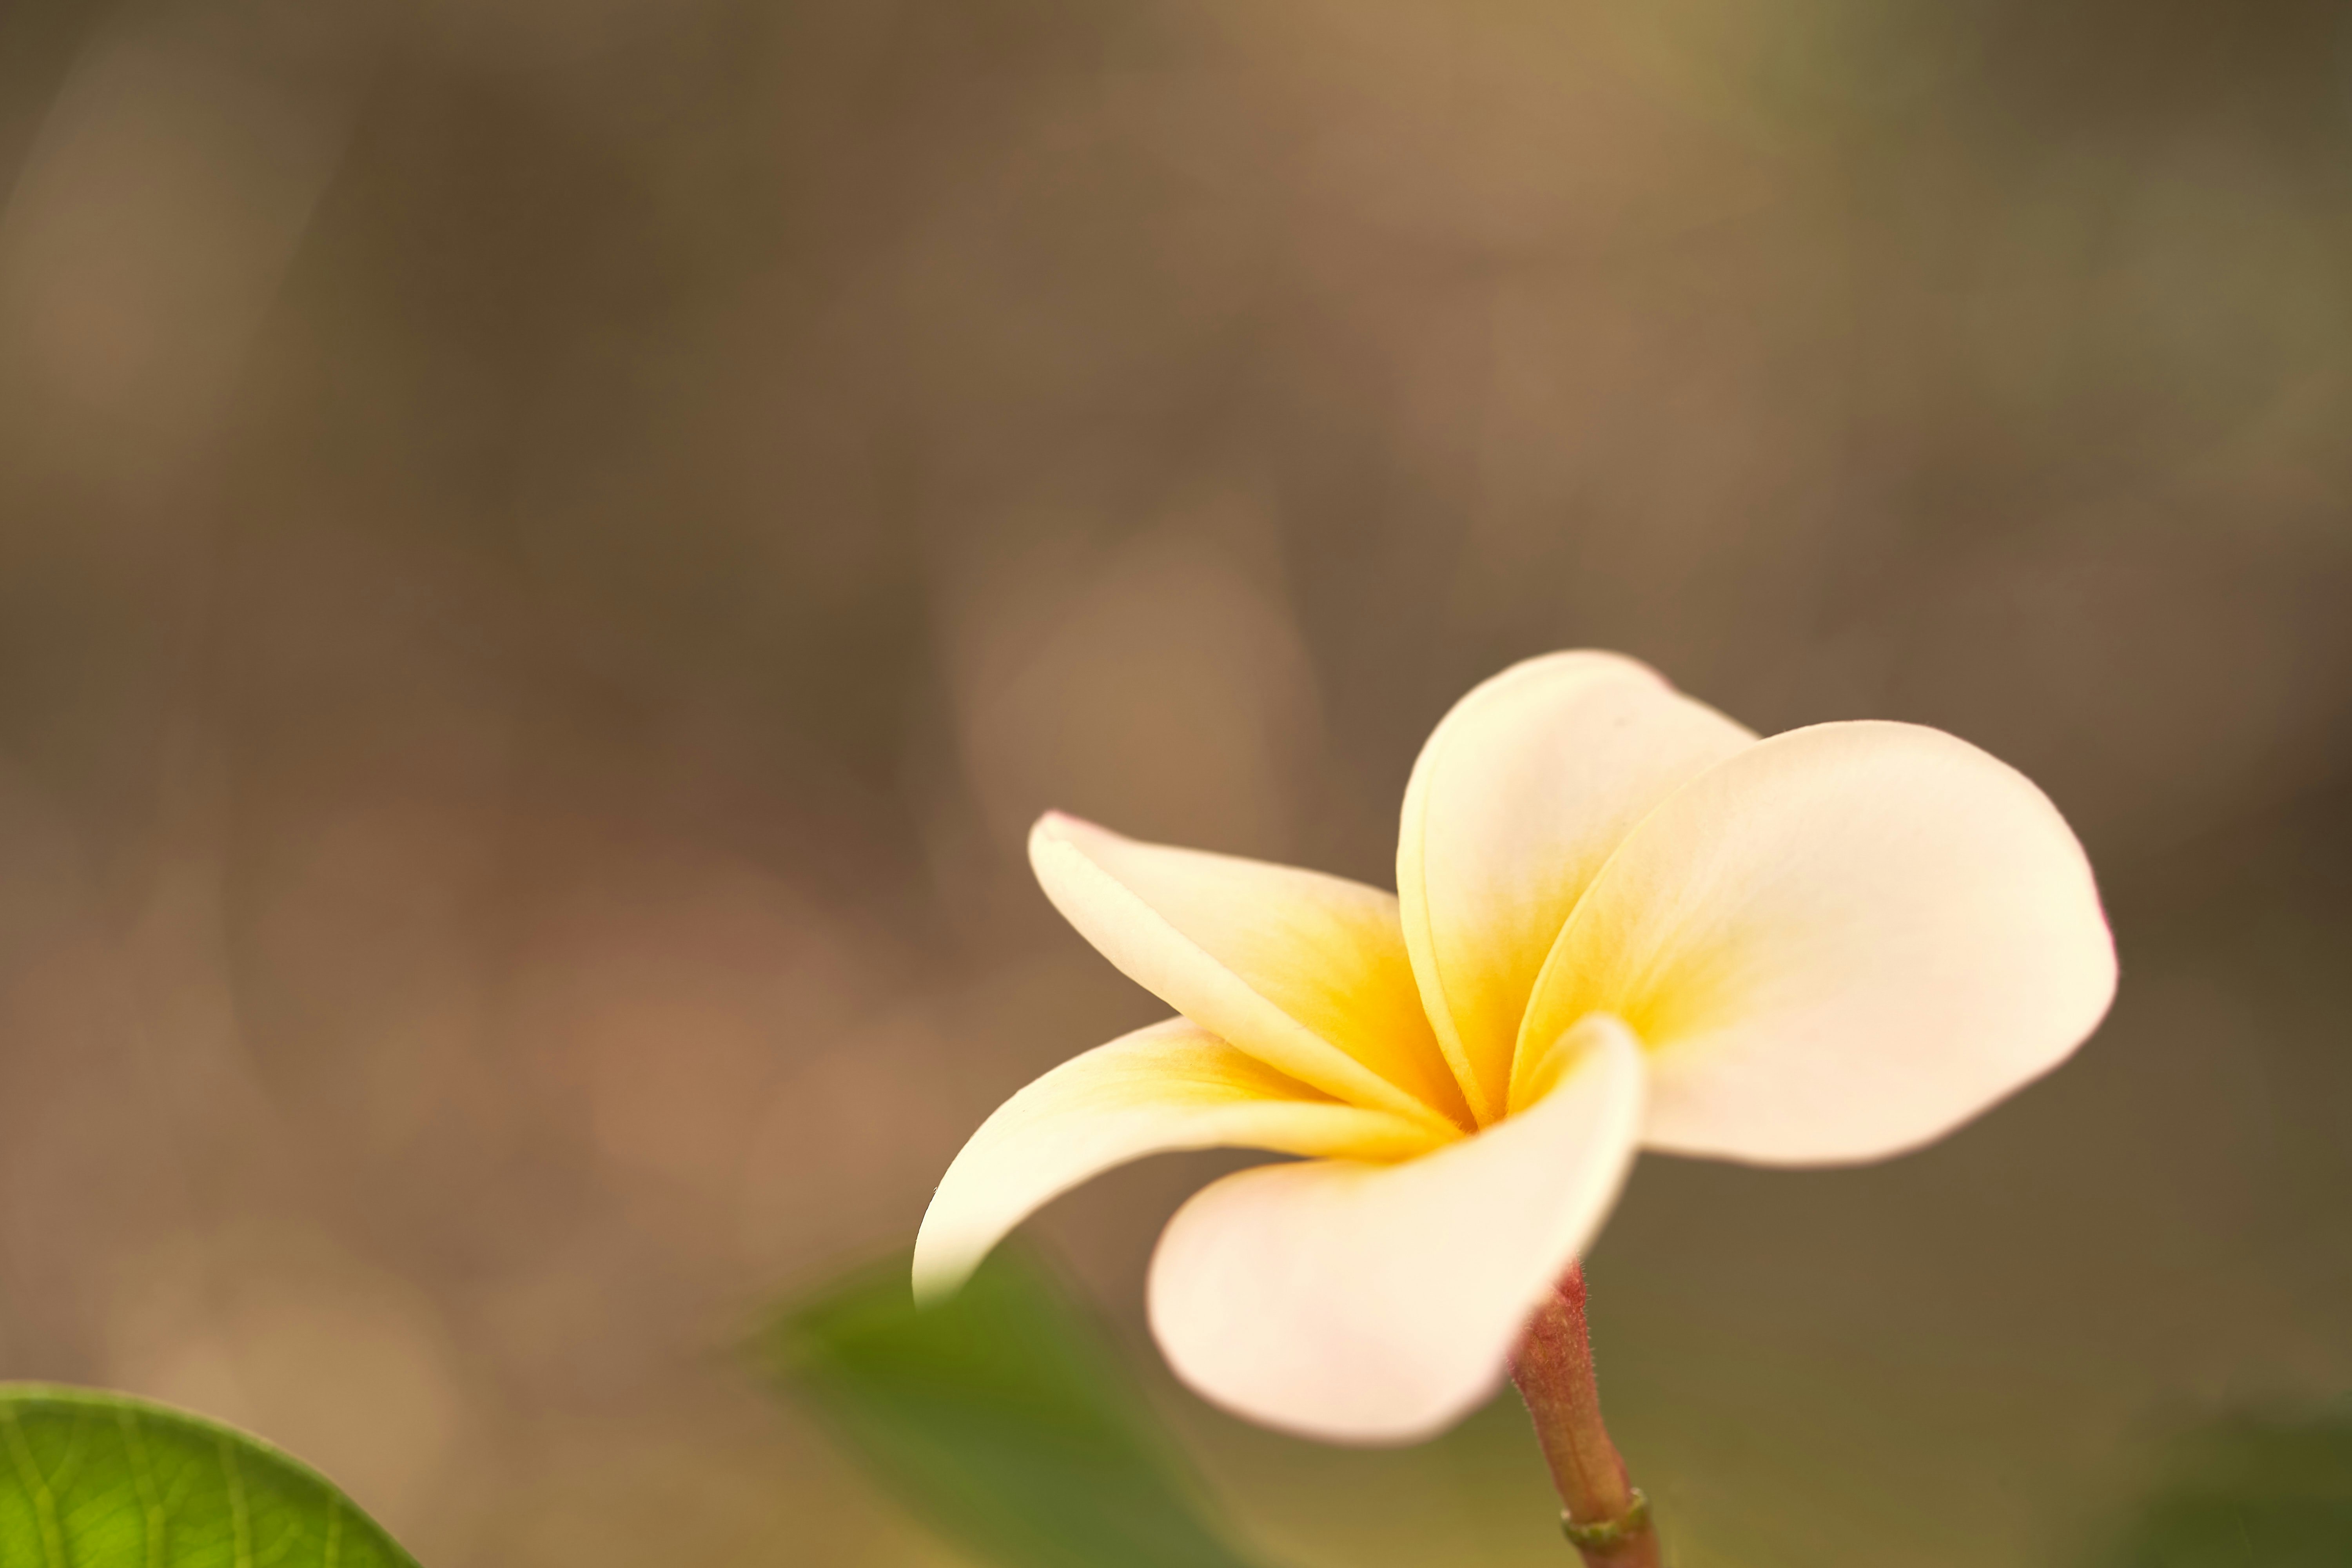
1607,1518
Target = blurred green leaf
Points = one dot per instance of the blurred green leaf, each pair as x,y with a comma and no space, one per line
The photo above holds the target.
2249,1492
1002,1418
90,1479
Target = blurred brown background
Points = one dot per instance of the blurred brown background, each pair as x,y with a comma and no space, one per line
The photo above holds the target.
553,547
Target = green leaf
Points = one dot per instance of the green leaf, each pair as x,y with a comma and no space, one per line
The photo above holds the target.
90,1479
1001,1418
2248,1492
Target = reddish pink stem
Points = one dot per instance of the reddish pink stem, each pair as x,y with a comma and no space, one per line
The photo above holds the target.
1607,1519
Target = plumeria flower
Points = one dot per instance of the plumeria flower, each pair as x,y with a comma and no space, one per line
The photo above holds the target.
1621,920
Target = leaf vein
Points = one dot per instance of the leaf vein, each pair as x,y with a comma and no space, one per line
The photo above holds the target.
239,1509
45,1502
151,1496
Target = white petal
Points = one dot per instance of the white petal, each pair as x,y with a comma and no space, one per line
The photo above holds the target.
1519,795
1307,972
1378,1303
1170,1085
1838,945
